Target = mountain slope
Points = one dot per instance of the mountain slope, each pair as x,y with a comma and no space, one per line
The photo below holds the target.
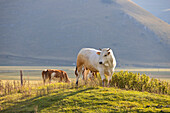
59,29
159,8
159,27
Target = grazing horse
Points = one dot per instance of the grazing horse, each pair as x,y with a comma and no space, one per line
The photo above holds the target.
87,74
102,61
53,73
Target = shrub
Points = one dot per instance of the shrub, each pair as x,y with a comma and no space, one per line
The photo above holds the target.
135,81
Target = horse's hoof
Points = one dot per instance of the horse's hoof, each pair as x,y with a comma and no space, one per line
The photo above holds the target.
77,83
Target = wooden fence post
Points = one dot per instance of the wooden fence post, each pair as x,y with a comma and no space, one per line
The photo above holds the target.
21,75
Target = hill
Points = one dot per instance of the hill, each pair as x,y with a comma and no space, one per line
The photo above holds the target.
88,96
86,99
52,32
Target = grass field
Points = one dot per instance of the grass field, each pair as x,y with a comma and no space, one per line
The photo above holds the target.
34,72
59,97
35,97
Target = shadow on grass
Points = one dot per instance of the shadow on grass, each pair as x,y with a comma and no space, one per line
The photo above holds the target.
39,103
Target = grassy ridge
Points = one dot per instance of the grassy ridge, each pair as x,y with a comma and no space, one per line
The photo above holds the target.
87,99
89,96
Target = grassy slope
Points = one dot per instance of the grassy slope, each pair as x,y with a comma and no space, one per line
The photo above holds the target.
87,99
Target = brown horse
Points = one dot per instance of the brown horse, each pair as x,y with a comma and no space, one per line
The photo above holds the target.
53,73
87,74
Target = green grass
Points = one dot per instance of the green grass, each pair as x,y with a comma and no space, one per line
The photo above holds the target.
67,98
90,97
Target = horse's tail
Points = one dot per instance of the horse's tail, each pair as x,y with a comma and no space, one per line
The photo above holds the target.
76,72
66,77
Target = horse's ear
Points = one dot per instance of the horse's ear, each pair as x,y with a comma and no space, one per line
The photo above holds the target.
108,49
98,53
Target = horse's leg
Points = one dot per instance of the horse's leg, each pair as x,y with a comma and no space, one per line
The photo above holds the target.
86,75
95,73
79,69
49,77
77,78
109,80
102,77
110,77
83,73
46,77
61,79
43,76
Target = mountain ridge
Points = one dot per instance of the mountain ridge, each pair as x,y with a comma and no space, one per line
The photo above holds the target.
146,21
159,8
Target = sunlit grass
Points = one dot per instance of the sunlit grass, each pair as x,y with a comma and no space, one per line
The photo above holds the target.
67,98
89,96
